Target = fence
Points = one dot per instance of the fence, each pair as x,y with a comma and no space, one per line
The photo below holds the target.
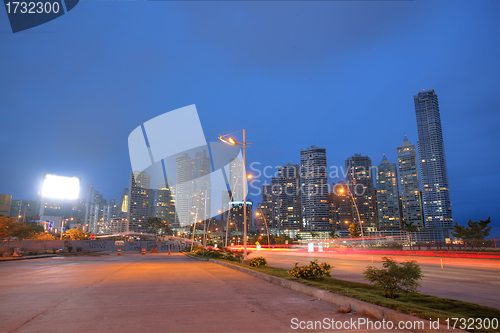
94,245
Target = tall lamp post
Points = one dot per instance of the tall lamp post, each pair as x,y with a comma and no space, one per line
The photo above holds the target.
341,190
261,213
244,144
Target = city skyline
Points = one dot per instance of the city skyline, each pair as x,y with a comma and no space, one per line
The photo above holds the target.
319,79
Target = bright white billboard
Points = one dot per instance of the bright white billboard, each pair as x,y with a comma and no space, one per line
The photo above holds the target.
60,187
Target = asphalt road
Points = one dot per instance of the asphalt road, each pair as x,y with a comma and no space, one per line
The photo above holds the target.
152,293
470,280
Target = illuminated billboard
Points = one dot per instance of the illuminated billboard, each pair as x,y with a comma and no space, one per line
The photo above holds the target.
60,187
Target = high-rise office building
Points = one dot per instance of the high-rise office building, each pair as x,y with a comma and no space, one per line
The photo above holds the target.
165,205
183,188
433,170
388,196
266,209
123,204
314,189
289,200
201,185
341,210
236,216
360,183
236,177
411,199
141,202
23,208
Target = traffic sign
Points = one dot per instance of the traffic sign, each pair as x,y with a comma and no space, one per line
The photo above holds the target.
92,237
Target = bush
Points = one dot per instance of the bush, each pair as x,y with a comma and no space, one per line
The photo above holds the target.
70,248
311,272
226,254
394,277
54,250
79,249
256,262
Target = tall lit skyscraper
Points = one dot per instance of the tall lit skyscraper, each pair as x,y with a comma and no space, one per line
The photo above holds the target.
165,205
433,170
360,183
314,189
201,185
411,199
183,188
341,210
288,200
141,202
268,206
388,196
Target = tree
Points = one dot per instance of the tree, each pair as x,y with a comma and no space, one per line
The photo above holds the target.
334,234
43,237
6,229
354,230
25,230
159,227
475,231
76,234
394,277
409,228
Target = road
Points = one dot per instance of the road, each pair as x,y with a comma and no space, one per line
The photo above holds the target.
152,293
470,280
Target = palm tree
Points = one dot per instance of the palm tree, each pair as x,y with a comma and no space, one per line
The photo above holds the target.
409,228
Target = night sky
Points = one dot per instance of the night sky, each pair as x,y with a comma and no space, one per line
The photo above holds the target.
339,75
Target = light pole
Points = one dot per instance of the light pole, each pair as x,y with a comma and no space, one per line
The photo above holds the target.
267,230
341,190
244,144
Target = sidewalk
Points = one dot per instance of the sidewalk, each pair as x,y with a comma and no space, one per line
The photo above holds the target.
151,293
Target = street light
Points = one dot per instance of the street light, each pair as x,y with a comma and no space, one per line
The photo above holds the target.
341,190
244,144
265,222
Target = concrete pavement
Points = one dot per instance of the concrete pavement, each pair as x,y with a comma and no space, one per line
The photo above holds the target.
153,293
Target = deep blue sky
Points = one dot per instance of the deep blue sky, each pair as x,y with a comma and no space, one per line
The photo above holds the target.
340,75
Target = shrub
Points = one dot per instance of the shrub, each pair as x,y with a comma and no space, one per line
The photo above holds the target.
311,272
256,262
394,277
70,248
54,250
79,249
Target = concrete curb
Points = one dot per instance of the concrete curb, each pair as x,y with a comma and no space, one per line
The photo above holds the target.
368,309
193,257
28,257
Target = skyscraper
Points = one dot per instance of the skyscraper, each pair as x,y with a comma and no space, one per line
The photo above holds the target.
411,199
314,189
360,183
388,196
141,202
288,200
165,205
183,189
341,209
433,170
201,185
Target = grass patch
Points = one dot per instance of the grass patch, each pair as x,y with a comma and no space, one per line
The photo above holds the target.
424,306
